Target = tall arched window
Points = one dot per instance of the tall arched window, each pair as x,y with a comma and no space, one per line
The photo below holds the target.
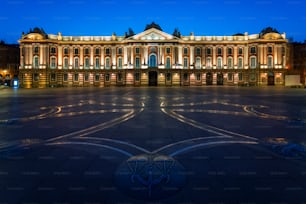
270,61
107,63
152,60
52,62
198,63
219,62
208,62
230,62
119,62
76,62
35,62
86,65
97,63
168,63
66,64
185,62
253,62
240,63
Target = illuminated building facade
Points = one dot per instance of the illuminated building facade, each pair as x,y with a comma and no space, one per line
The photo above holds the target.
9,62
151,58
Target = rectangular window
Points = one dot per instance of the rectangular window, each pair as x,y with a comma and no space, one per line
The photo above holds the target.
137,62
168,50
269,62
36,50
76,51
198,77
269,50
36,62
97,77
86,77
53,77
107,51
230,77
240,76
107,64
168,76
36,77
229,51
120,51
230,63
168,63
65,77
76,77
137,76
97,51
208,51
53,50
219,51
107,78
66,51
253,62
137,50
253,50
76,63
86,51
185,51
240,51
198,51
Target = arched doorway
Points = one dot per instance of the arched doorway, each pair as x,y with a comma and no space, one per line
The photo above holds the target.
271,78
152,60
153,78
219,79
209,79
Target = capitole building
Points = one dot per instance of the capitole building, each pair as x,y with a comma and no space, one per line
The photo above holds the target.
152,58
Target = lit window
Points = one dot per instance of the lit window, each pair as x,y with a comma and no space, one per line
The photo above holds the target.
208,62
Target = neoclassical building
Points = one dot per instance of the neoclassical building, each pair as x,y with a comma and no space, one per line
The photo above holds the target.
151,58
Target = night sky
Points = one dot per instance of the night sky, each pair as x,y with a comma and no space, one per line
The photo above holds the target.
103,17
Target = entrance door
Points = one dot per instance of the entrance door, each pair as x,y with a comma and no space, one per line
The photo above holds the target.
219,79
271,78
209,79
152,78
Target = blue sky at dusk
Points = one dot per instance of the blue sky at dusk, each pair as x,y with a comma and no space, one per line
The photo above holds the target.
103,17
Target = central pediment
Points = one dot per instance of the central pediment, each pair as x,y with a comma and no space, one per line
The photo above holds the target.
152,34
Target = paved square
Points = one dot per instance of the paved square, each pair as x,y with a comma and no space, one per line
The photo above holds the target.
153,145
